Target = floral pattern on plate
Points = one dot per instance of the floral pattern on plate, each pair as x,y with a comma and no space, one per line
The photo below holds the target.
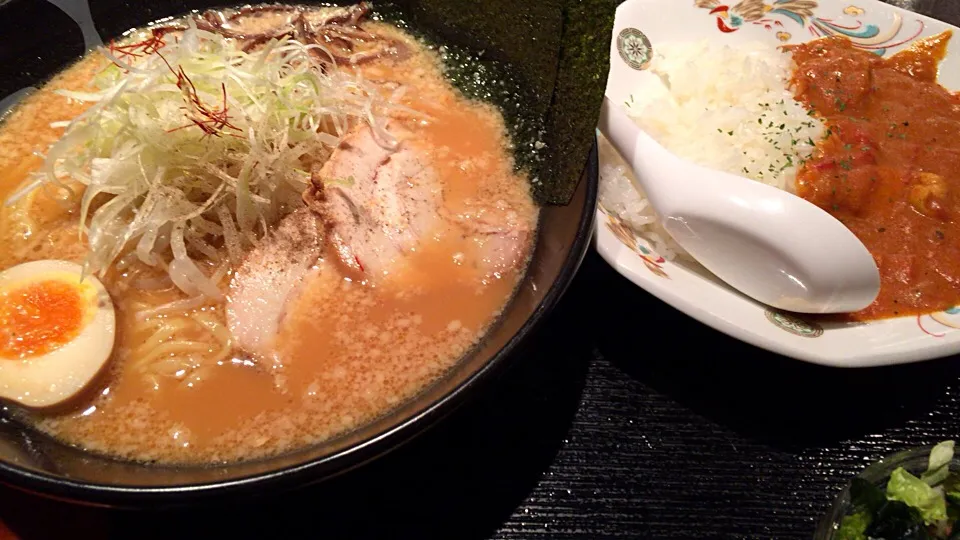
635,48
779,13
794,324
628,237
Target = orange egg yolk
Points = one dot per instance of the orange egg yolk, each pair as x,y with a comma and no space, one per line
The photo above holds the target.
39,317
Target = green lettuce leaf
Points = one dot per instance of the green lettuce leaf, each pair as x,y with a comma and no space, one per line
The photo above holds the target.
853,527
938,464
917,494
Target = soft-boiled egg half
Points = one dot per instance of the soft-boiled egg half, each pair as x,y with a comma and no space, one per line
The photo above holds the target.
56,331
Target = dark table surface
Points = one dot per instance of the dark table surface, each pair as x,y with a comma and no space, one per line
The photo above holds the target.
625,419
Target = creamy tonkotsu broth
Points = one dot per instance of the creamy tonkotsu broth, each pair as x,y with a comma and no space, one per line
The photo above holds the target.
374,261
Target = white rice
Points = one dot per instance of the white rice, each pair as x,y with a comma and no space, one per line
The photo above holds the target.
726,107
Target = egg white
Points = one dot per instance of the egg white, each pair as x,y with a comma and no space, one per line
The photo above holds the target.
48,379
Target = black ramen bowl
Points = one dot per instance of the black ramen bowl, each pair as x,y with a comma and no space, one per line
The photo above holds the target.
37,463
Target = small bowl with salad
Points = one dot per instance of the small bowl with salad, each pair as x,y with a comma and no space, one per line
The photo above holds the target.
910,495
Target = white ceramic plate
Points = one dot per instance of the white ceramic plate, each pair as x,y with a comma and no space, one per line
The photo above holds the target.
639,26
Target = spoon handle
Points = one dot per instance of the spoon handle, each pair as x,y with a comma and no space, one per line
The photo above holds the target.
644,155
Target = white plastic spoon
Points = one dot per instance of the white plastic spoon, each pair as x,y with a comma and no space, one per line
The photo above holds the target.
767,243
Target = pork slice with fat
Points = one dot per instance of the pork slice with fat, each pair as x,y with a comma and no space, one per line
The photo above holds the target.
499,239
266,281
378,203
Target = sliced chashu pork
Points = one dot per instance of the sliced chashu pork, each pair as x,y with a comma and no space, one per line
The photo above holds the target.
375,205
269,277
378,203
498,238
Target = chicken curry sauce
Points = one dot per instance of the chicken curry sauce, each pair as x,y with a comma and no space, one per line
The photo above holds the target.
889,166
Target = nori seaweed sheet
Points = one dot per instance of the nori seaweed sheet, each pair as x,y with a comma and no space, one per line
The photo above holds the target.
543,63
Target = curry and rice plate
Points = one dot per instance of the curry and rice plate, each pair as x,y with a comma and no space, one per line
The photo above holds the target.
869,139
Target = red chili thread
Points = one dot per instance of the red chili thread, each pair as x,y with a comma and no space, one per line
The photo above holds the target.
141,48
213,121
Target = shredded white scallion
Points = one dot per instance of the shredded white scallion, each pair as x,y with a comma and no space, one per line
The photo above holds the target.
159,189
